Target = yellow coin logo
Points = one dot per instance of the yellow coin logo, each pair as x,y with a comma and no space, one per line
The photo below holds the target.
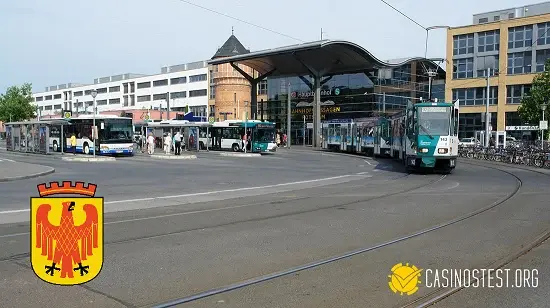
404,278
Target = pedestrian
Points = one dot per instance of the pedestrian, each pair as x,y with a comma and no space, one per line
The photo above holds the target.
167,143
177,142
151,144
73,143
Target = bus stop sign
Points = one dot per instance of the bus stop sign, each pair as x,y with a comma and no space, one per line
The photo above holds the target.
211,120
67,114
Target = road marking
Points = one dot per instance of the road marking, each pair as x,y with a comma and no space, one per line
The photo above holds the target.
9,160
368,162
207,192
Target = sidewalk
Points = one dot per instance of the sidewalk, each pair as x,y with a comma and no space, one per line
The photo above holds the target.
13,171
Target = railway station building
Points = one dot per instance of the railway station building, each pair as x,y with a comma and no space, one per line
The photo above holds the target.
514,44
351,84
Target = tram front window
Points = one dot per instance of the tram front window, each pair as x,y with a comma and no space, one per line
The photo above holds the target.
434,121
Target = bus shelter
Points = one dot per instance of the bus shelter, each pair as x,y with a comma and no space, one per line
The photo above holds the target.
196,134
31,136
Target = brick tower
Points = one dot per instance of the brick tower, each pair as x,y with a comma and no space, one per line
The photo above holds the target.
232,90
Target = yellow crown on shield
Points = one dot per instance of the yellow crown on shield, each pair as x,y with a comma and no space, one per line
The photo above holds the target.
67,188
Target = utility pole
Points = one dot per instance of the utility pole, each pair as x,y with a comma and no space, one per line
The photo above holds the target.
288,117
487,114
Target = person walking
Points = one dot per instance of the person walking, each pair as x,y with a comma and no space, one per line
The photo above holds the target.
73,143
151,144
177,142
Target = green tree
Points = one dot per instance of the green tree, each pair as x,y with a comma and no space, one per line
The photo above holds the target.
16,104
530,109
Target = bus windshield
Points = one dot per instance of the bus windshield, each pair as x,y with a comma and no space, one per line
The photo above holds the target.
264,135
116,131
434,121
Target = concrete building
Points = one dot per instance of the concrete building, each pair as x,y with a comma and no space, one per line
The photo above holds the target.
513,42
182,86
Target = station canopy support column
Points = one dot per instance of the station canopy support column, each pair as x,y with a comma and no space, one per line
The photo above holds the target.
254,85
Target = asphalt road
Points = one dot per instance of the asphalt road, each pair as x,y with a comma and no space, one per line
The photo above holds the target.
225,220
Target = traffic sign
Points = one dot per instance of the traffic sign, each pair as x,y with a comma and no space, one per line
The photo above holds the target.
543,124
211,120
67,114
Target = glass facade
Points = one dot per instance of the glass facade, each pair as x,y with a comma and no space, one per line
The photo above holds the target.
345,97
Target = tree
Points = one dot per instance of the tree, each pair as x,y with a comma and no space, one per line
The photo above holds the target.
530,109
16,104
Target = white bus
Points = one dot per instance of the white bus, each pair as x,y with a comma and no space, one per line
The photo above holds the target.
114,135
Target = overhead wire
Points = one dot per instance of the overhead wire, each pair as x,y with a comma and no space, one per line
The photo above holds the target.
241,20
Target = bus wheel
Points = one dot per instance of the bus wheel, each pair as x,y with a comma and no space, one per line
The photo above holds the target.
86,149
236,147
201,146
55,147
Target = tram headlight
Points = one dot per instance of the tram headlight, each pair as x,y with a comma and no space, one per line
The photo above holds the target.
423,150
443,151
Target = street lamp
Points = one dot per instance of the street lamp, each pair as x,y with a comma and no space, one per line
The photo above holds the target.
94,94
427,33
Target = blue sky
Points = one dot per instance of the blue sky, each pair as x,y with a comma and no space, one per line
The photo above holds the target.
59,41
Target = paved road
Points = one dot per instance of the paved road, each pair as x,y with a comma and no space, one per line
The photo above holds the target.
334,204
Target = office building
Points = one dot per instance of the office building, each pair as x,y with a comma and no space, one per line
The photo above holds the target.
514,44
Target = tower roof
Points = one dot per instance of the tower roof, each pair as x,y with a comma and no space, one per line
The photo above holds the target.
231,47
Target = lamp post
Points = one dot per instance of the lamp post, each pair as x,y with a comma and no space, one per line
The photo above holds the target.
427,34
94,94
245,122
543,108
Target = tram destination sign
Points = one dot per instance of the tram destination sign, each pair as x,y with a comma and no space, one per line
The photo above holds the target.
523,127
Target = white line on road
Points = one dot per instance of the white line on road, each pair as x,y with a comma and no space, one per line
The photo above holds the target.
368,162
5,159
206,193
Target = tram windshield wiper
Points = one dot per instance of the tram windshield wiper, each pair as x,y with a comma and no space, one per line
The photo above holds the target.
426,131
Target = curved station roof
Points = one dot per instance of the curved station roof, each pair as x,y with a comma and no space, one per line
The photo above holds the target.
323,58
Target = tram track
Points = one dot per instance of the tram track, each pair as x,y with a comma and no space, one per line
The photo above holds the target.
21,256
346,255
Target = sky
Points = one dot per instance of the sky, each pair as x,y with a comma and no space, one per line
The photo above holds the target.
74,41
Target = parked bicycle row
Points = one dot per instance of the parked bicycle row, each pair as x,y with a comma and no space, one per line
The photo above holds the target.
523,154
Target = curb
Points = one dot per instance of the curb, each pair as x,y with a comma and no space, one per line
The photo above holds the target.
30,176
241,154
88,159
174,156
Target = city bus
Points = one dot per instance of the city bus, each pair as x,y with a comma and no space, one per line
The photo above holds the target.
228,135
115,135
187,128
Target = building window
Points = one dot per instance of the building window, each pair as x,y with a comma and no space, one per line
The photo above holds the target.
48,97
143,85
114,101
463,44
542,56
511,15
496,18
486,62
543,33
515,93
212,92
463,68
402,73
181,94
488,41
114,89
469,123
143,98
475,96
197,93
262,87
78,93
57,96
48,107
519,37
196,78
39,98
519,62
159,97
178,80
483,20
160,83
88,92
102,90
101,102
